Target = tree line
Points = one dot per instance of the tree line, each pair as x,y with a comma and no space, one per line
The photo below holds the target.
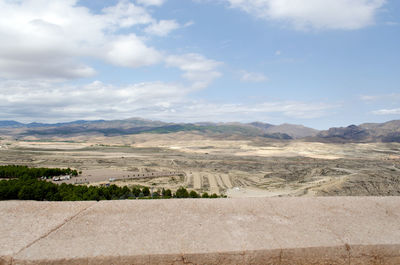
31,187
14,171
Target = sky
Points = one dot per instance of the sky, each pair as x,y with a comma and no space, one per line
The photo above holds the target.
320,63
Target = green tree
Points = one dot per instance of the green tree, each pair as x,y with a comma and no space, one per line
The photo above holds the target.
167,193
182,193
205,195
146,191
136,191
193,194
26,193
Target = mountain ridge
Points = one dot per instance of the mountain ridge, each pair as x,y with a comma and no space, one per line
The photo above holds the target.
138,125
366,132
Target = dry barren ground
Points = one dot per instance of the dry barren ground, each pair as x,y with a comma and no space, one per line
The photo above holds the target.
238,168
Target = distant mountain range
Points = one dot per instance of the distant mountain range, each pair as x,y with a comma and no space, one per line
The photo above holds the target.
15,124
368,132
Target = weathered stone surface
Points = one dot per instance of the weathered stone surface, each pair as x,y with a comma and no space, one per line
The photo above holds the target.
22,223
339,230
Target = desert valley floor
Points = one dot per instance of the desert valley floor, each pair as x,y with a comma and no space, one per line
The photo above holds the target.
235,167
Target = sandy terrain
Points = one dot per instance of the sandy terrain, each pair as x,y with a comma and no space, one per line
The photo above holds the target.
196,181
236,167
213,184
226,179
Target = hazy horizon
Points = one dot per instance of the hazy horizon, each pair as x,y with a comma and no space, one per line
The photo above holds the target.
179,122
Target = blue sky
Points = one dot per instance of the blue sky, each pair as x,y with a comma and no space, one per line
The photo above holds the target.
312,62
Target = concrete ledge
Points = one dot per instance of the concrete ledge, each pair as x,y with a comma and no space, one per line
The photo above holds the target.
337,230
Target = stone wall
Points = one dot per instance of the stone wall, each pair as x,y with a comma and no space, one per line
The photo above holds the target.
339,230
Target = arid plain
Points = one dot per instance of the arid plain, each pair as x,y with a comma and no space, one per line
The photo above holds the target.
252,167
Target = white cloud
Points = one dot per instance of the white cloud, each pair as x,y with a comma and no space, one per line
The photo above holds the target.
292,109
281,111
314,14
151,2
197,69
369,97
130,51
47,39
51,102
189,23
252,77
43,44
392,23
394,97
125,14
387,112
192,62
162,28
47,69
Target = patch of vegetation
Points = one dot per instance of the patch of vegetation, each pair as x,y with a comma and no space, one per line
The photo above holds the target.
14,171
26,185
279,136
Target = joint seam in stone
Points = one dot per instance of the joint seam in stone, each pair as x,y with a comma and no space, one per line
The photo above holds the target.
53,230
